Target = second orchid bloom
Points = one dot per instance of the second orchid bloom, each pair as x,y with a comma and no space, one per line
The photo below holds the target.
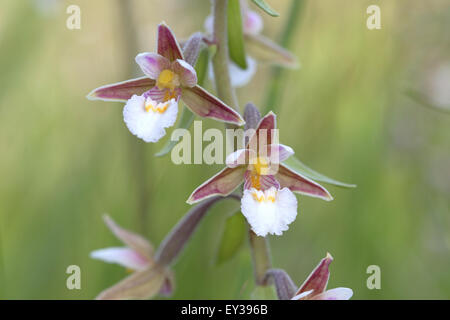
268,202
152,101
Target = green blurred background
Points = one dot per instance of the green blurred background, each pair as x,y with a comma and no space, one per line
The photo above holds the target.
347,112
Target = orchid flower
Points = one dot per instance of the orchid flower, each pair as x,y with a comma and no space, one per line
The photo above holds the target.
138,257
268,201
266,49
315,286
152,101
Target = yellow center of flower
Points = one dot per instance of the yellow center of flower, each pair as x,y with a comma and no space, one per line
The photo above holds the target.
168,79
262,197
261,166
156,107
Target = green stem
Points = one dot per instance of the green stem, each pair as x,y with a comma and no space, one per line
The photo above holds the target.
225,91
258,245
277,83
261,257
139,163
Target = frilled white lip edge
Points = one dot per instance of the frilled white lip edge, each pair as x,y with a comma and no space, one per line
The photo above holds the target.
239,77
270,211
147,119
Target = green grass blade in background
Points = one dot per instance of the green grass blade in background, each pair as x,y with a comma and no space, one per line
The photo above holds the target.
295,164
232,237
235,34
266,8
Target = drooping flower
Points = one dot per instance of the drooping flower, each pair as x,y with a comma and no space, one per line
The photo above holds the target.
315,286
265,49
138,257
152,101
267,202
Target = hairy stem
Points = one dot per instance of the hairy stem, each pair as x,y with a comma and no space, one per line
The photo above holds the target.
138,162
225,92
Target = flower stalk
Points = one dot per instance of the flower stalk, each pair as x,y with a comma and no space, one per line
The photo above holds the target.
258,245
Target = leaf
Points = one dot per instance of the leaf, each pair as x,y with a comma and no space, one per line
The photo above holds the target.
266,8
233,236
235,34
296,165
187,117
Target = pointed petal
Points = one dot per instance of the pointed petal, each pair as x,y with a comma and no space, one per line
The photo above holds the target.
167,44
125,257
239,158
270,211
318,278
202,103
187,74
264,131
283,283
152,64
134,241
335,294
262,182
122,91
139,285
303,295
300,184
279,152
266,50
180,234
223,183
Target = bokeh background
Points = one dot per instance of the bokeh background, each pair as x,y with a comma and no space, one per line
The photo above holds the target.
367,107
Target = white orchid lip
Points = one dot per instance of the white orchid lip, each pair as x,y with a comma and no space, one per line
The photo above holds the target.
269,211
147,118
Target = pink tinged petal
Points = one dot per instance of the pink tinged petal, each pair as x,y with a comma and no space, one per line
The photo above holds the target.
202,103
253,23
262,182
239,158
167,44
134,241
152,64
279,152
335,294
303,295
139,285
122,91
223,183
300,184
318,278
125,257
265,50
264,131
187,74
